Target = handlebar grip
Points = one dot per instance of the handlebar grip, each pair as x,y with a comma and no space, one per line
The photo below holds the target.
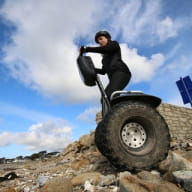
82,49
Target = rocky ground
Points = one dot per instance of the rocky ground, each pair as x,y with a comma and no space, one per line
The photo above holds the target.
80,167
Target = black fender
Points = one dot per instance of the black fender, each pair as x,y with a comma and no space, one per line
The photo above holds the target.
144,98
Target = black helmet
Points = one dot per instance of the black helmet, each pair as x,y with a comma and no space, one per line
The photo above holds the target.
102,33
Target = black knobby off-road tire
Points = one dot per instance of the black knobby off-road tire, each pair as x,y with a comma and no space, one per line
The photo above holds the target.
133,136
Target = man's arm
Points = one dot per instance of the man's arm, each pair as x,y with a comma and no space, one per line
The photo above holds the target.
111,47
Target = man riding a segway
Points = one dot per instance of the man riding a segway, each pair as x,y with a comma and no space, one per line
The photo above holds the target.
132,134
117,71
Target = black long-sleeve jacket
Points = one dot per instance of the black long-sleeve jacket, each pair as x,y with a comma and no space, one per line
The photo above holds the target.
112,60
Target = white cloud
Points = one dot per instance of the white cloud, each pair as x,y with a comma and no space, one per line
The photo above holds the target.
167,28
142,68
43,54
144,22
5,138
52,135
136,20
89,114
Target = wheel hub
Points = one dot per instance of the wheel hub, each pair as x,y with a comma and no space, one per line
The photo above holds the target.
133,135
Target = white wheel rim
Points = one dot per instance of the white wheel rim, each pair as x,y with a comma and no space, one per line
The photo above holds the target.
133,135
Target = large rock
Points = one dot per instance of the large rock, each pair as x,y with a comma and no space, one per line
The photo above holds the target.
175,162
184,178
87,140
58,184
146,182
152,177
167,187
187,155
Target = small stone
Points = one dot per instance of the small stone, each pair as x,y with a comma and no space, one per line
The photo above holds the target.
183,145
107,180
78,164
154,172
27,189
190,144
89,187
41,180
92,177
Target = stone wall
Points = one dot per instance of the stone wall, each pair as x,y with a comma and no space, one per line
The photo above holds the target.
179,120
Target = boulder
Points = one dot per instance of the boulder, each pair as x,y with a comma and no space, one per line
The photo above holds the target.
180,163
87,140
152,177
187,155
174,162
168,187
58,184
130,184
146,182
184,178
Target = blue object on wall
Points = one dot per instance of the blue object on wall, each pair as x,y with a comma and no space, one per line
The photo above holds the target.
185,88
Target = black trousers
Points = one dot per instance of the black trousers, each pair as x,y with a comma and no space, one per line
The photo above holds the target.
117,81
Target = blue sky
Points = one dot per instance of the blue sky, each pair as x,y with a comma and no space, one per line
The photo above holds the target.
43,103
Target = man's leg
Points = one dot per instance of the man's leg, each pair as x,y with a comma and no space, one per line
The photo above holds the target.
118,81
